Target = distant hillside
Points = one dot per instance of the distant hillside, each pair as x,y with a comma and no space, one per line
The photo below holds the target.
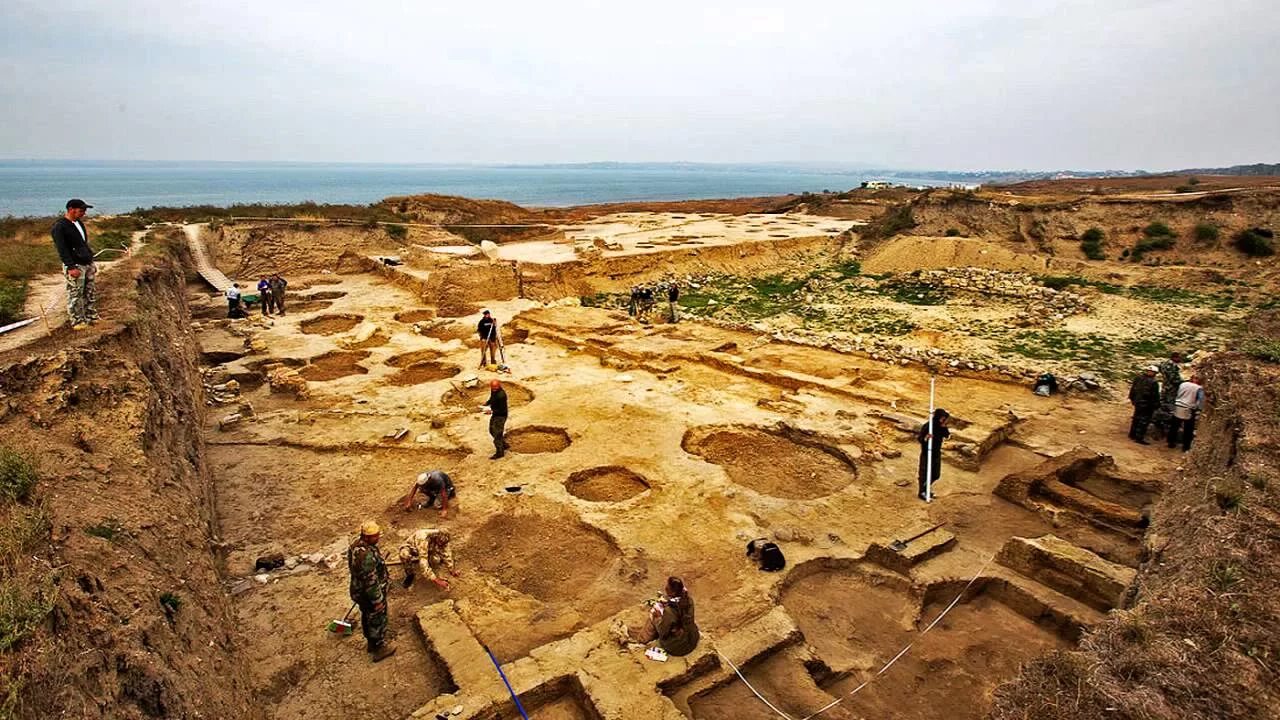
1254,169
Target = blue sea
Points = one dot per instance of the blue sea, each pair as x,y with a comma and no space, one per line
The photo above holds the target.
36,188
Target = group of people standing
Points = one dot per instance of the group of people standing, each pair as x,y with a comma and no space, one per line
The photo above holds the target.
644,296
1160,397
271,292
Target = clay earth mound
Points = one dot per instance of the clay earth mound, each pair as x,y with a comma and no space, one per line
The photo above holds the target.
416,356
772,464
537,439
473,397
334,365
515,550
427,371
330,324
609,483
413,316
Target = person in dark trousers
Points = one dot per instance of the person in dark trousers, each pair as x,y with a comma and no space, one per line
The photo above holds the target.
264,296
1188,402
1144,394
635,301
673,294
72,242
1170,376
487,328
437,486
368,589
278,284
234,307
496,406
931,435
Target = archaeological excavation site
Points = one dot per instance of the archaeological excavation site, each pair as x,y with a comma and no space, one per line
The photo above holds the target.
193,481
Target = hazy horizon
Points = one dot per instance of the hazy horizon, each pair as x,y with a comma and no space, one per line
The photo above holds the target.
1088,85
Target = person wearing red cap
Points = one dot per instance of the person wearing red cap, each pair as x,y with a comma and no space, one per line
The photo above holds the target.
496,406
72,241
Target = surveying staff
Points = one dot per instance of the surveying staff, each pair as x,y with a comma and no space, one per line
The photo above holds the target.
497,406
72,242
1144,393
931,435
423,552
368,589
1188,402
488,330
438,488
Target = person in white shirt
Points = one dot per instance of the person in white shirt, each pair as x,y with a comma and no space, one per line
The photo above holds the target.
1186,410
233,301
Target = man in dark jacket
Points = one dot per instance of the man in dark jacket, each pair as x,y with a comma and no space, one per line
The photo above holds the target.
673,296
931,435
72,241
1144,393
496,405
278,285
487,328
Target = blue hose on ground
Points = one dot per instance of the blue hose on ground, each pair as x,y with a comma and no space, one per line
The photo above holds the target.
503,675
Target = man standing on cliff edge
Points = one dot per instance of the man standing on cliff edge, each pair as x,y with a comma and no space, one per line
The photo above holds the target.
72,241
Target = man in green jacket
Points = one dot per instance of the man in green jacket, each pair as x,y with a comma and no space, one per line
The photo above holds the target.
368,589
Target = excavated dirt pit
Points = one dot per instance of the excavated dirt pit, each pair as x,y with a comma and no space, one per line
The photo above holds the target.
609,483
427,371
330,324
772,464
538,439
449,309
324,295
471,397
409,358
859,620
414,316
334,365
307,306
560,699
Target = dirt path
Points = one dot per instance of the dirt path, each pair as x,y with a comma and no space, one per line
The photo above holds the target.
47,299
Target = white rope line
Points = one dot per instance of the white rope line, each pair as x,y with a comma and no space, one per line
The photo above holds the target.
882,670
752,689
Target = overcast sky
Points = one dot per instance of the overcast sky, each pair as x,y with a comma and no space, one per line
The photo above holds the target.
1098,84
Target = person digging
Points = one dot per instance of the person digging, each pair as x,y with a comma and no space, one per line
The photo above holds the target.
423,552
931,435
368,589
487,328
437,487
496,406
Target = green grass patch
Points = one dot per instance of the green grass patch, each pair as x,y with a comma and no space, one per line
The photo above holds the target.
1255,242
17,476
396,232
1264,349
108,529
1059,345
847,269
1205,232
918,294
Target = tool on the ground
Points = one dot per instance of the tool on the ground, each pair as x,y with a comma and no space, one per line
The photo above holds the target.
503,675
900,545
344,626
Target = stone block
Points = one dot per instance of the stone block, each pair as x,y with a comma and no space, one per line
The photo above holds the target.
1069,569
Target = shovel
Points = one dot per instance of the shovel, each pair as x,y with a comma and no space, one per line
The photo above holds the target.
900,545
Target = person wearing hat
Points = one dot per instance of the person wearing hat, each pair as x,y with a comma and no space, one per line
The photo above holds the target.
438,488
368,589
488,330
496,406
931,435
1144,394
423,552
72,241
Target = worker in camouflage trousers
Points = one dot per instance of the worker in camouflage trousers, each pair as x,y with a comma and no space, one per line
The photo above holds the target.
369,589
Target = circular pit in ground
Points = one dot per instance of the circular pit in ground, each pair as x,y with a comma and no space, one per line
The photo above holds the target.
414,356
415,316
334,365
424,371
608,483
325,295
514,549
537,439
472,397
771,463
330,324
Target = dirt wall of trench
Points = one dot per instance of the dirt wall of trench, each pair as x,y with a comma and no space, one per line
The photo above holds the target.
248,250
1203,637
120,528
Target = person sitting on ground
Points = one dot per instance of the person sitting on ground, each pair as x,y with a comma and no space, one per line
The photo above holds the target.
368,589
1186,410
278,284
496,406
1144,394
234,307
931,435
767,554
264,296
423,552
671,620
437,487
488,331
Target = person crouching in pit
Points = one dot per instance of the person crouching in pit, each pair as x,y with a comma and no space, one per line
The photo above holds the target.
424,549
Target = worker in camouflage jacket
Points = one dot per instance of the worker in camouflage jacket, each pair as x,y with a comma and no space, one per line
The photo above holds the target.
369,589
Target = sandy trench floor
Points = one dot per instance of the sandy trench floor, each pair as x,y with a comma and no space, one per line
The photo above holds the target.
537,565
